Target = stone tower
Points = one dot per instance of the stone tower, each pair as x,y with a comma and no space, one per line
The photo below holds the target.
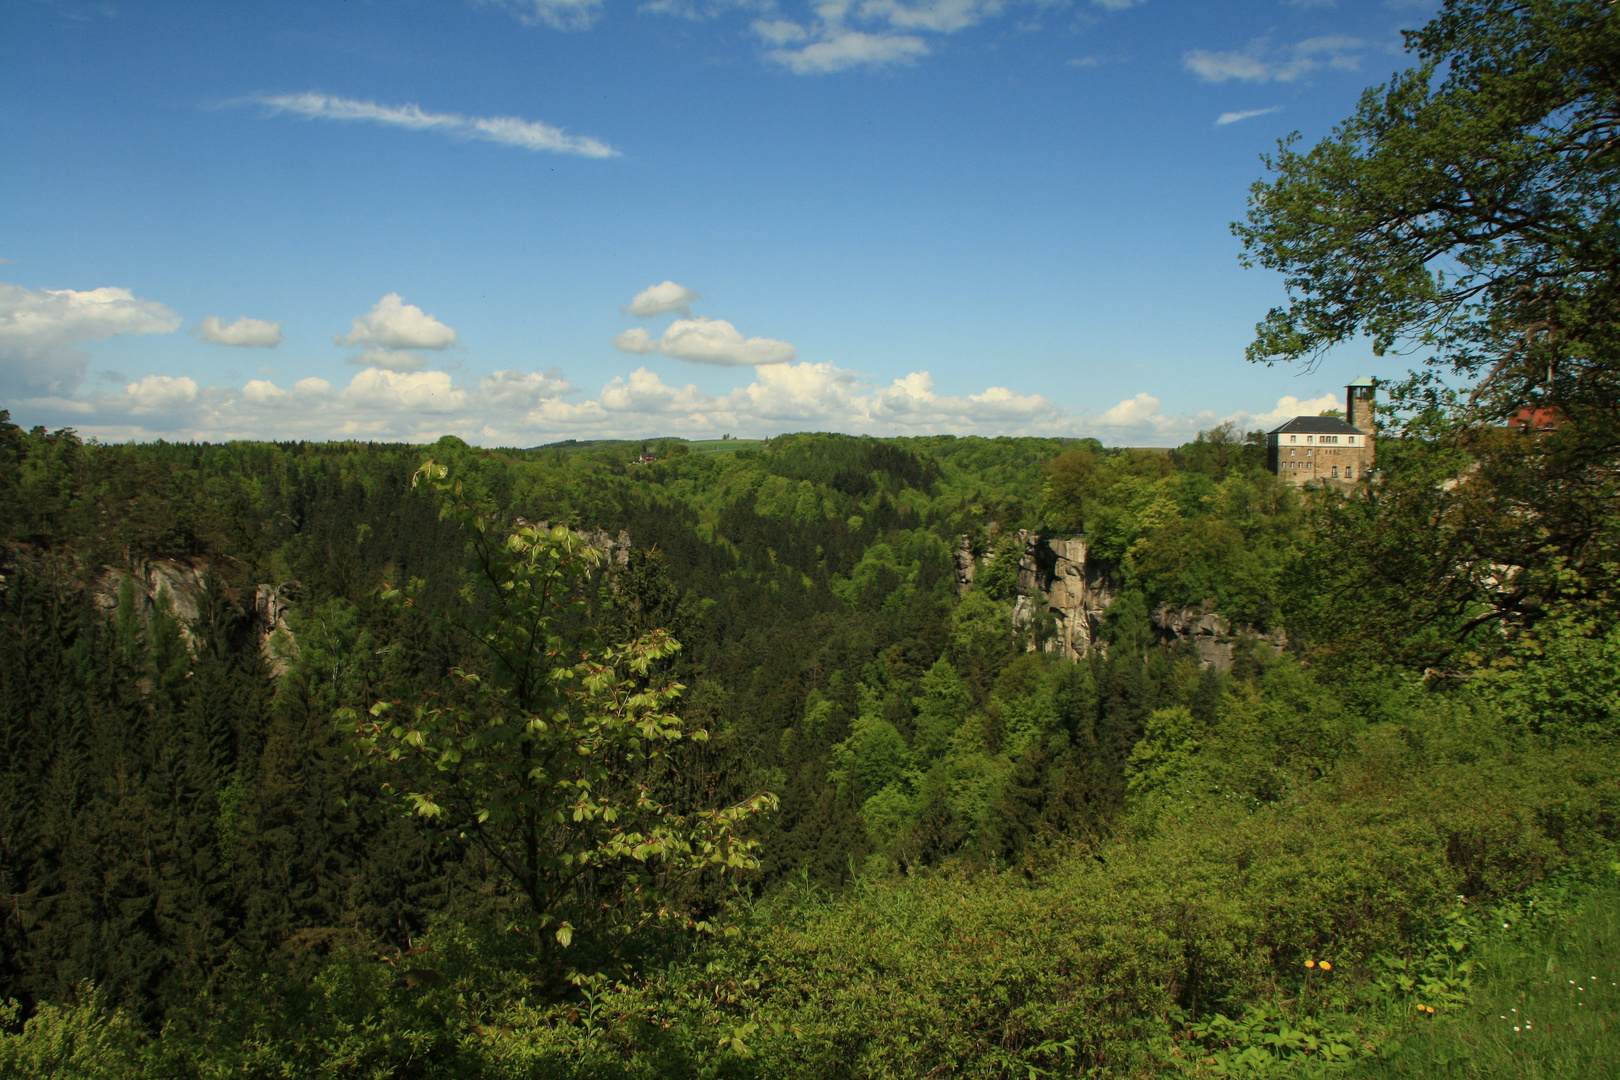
1358,406
1325,449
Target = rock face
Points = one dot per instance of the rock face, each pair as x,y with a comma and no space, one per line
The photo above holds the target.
616,548
1063,593
1057,580
1212,633
183,582
276,641
966,565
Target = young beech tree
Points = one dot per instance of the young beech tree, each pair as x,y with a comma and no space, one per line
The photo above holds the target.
546,757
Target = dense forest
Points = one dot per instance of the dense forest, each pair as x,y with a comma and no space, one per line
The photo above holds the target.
750,760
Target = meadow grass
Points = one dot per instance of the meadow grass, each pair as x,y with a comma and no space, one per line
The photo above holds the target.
1546,1006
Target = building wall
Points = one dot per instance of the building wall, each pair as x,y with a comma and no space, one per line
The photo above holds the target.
1301,462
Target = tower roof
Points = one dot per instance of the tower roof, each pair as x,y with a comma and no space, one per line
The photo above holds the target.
1362,381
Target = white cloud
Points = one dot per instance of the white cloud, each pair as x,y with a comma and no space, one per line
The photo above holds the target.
396,391
250,333
780,31
938,16
707,341
558,14
1132,412
1117,5
268,394
525,408
389,360
1233,117
160,393
40,330
1260,61
658,299
1138,421
506,130
636,340
844,49
397,325
522,389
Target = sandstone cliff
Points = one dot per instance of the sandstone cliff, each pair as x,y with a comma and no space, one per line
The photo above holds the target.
1063,594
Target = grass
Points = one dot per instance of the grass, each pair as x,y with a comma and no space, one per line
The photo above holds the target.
1546,1006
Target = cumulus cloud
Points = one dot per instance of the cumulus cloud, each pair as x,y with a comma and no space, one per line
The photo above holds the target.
394,324
505,130
160,393
1261,61
524,408
397,391
249,333
389,360
268,394
40,330
522,389
707,341
1138,420
658,299
1233,117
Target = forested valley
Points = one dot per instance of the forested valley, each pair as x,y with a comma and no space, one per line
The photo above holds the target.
974,852
837,756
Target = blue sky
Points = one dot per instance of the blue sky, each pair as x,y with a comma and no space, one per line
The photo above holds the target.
526,221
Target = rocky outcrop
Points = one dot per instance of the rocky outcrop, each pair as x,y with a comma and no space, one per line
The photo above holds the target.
1062,594
1212,634
183,583
966,565
276,641
615,548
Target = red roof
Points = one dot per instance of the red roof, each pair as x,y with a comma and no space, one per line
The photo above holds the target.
1532,419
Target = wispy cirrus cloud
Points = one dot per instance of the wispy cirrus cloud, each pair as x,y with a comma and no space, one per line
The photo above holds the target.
837,49
504,130
1233,117
1262,61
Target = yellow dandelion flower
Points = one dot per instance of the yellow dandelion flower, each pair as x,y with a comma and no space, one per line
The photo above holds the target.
1310,963
1326,966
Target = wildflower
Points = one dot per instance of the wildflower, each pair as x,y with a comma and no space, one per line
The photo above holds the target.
1515,1027
1312,963
1326,966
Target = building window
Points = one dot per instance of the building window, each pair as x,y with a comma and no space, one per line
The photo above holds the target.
1293,438
1335,472
1349,473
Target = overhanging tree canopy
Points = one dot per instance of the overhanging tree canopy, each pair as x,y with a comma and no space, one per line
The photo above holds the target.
1467,215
